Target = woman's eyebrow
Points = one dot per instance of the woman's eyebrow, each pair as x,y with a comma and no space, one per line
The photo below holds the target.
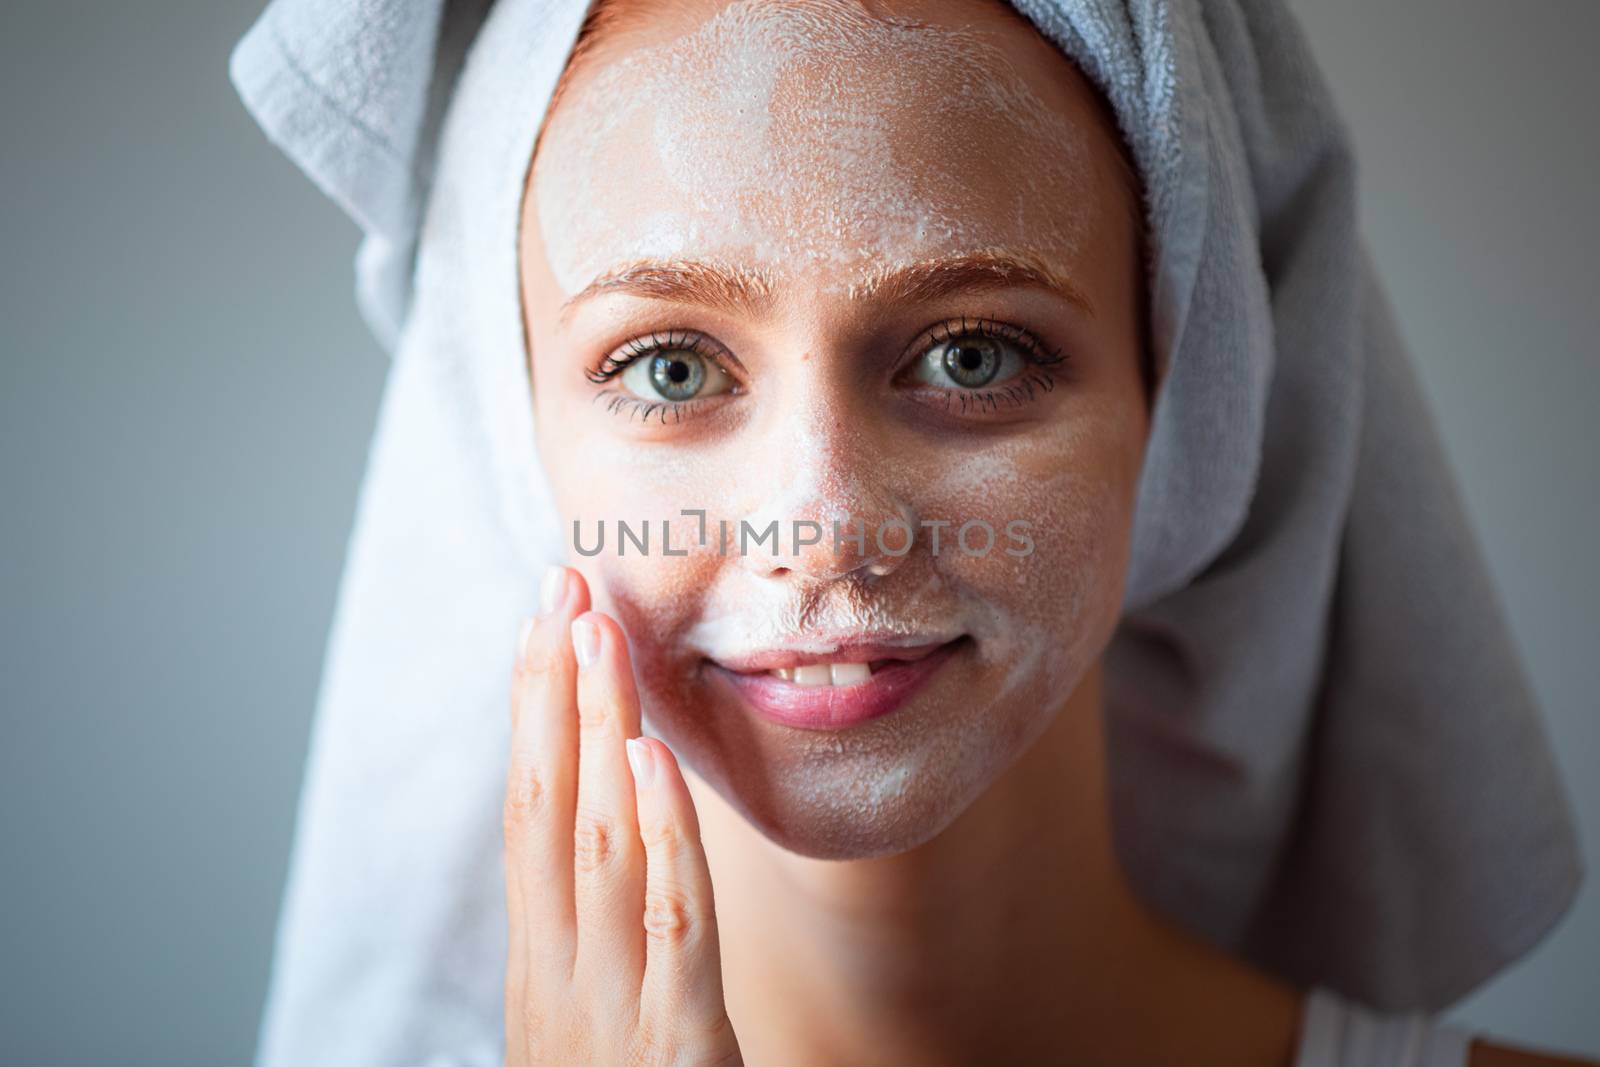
934,278
690,281
741,289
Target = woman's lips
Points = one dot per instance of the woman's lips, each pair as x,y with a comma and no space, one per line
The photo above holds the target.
856,682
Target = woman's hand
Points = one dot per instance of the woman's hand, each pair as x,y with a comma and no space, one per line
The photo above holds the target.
613,956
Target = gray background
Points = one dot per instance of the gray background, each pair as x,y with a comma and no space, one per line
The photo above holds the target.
187,397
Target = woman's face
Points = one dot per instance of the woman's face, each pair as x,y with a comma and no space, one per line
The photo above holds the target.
826,263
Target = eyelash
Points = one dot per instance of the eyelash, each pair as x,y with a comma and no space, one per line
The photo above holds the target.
613,364
1023,388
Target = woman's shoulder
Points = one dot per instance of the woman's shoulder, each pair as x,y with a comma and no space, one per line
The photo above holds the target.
1337,1032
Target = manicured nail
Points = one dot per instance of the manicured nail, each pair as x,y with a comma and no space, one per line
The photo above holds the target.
522,637
553,590
585,641
642,762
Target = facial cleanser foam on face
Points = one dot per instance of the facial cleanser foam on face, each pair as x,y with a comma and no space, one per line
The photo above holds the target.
733,124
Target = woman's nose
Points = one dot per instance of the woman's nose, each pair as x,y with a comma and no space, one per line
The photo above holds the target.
832,514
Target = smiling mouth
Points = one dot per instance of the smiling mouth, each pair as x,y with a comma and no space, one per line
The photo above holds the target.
856,682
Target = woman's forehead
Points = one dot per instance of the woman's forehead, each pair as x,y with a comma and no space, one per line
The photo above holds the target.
820,138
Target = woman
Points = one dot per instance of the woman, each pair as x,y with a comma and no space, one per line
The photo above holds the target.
803,288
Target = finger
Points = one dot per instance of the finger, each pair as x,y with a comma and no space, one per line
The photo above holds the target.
682,984
516,955
542,780
608,860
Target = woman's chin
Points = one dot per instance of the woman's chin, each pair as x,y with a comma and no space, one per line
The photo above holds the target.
878,788
830,840
850,814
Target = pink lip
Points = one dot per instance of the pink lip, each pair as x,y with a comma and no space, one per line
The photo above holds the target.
844,650
898,673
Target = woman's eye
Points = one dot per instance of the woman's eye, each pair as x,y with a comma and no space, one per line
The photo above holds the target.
969,361
675,375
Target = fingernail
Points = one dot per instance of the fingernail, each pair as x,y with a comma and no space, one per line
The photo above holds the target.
641,761
523,636
585,641
552,591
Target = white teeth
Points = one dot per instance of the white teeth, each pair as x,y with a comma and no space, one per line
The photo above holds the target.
815,674
812,674
849,673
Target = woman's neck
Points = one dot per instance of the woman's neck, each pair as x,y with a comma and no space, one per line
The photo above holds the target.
1012,936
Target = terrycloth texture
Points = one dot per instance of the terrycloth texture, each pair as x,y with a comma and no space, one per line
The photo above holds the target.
1324,751
1337,1033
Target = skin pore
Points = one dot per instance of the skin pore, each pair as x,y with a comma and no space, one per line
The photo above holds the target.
936,884
757,243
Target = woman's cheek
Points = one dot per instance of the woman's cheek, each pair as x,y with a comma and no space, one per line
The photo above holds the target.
1050,588
653,581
